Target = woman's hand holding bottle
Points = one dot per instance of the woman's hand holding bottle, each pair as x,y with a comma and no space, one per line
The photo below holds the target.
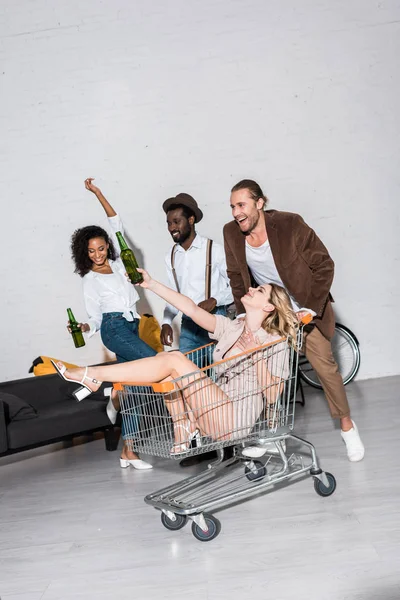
76,329
84,327
148,282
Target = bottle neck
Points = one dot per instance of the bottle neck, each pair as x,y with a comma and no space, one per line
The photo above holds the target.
71,317
122,243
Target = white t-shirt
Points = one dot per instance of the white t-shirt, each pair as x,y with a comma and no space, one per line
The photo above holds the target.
262,266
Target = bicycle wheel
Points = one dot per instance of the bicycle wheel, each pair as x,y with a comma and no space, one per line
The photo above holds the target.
346,352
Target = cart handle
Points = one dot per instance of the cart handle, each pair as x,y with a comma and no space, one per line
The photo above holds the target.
306,319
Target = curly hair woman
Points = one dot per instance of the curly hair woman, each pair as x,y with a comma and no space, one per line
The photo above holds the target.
110,299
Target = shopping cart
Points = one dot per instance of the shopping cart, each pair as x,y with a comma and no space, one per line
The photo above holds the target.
247,402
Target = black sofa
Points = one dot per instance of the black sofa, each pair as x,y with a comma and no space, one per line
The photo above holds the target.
41,410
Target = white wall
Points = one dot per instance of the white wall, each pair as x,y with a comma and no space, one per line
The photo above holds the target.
154,98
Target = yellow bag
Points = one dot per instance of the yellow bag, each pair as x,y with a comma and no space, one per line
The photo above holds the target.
150,332
42,365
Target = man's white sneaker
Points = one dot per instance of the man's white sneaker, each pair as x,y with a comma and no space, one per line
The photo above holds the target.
355,447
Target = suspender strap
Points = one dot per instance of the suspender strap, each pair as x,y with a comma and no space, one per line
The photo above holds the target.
208,270
173,267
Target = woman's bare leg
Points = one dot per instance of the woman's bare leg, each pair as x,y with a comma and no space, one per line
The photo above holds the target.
182,418
211,407
198,403
145,370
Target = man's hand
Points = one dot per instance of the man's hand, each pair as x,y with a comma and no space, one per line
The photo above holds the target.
84,327
208,305
92,188
303,313
167,335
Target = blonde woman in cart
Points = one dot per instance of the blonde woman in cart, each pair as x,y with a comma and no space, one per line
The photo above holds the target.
268,318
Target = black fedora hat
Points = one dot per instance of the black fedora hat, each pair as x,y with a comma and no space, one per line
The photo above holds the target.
186,200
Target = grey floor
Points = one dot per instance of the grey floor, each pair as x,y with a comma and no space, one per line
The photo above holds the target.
74,525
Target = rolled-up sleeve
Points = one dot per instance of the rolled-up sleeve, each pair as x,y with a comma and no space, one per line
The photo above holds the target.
222,324
92,306
224,295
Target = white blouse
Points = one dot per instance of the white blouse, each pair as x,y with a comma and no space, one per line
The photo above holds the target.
109,293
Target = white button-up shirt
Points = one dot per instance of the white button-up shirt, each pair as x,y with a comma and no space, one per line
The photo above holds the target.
109,293
190,269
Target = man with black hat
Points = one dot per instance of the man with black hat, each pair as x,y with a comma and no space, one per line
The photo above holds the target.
196,267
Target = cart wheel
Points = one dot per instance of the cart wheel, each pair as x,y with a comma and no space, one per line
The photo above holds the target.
323,490
214,528
255,475
180,521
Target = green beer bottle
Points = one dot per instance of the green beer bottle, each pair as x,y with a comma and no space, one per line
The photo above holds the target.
129,260
76,332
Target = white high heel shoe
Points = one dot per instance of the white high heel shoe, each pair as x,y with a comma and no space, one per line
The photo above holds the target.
84,391
112,412
139,464
184,447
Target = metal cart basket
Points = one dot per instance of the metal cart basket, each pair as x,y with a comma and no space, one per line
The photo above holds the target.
245,401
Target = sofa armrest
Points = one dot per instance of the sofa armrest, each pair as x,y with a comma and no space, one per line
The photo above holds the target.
3,429
39,391
44,390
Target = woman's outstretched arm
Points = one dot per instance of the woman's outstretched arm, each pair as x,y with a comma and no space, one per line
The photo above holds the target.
110,212
203,318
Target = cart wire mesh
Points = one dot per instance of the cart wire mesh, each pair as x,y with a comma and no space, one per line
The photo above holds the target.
245,398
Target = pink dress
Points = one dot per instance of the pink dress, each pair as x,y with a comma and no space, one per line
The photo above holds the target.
240,379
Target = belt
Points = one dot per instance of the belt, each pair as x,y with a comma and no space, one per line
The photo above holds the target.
127,314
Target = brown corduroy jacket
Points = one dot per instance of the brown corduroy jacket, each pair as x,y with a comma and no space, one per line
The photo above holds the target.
302,261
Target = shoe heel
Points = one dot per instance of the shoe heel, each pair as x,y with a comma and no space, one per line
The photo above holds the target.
112,414
81,393
123,463
108,391
197,437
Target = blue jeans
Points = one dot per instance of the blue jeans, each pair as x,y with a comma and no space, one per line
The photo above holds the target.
122,337
193,336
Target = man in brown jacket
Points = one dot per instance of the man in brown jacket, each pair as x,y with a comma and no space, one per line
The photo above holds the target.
270,246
